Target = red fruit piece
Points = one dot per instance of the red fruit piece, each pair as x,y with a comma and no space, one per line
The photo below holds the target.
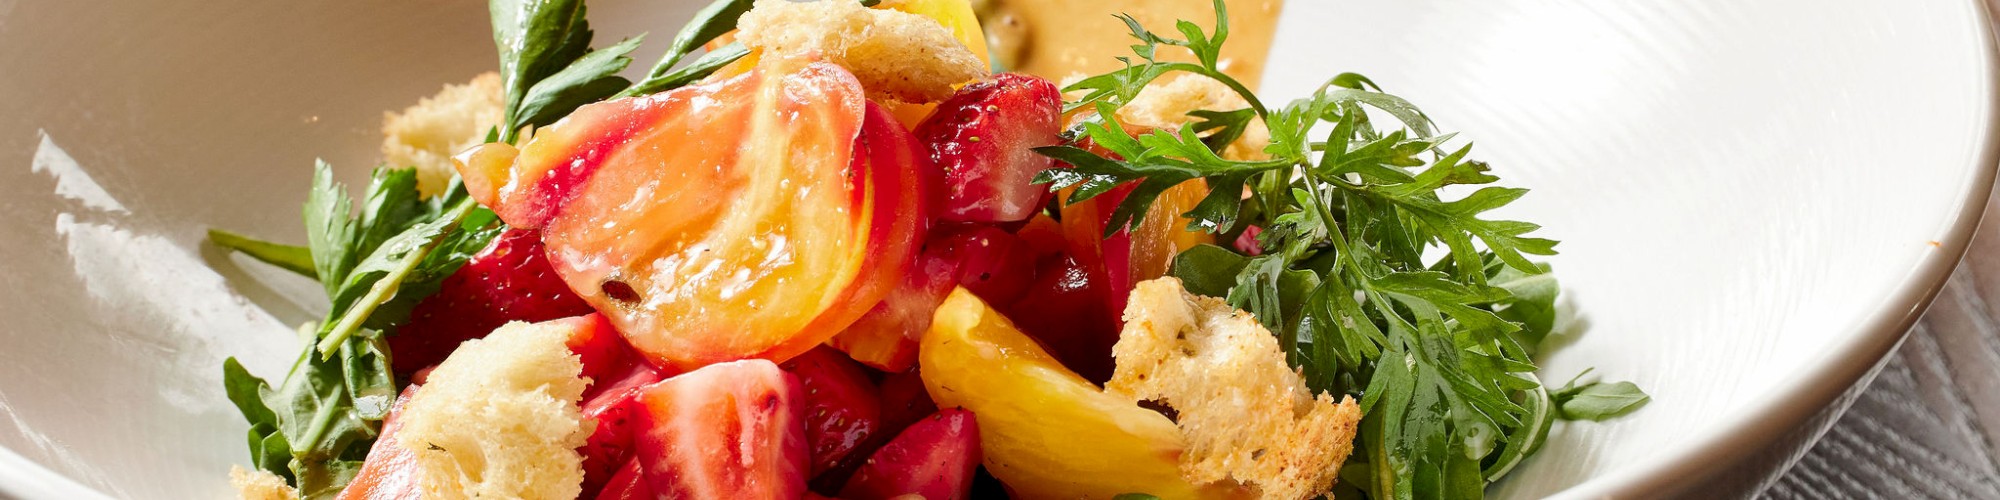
508,281
606,357
993,264
934,458
728,430
1247,242
1066,311
390,471
617,421
842,413
628,484
904,401
752,217
886,336
982,138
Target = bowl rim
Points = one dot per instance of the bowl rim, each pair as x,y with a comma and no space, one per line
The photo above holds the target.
1799,398
1808,392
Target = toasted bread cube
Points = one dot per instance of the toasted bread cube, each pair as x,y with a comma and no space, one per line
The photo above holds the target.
500,419
895,55
259,485
1246,415
427,134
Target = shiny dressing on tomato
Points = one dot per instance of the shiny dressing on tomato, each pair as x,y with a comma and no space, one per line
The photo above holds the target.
1056,39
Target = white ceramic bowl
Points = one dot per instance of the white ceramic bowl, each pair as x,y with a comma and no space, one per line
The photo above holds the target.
1755,199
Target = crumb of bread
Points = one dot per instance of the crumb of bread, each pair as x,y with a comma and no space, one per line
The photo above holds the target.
259,485
1247,416
895,55
426,134
499,418
1165,105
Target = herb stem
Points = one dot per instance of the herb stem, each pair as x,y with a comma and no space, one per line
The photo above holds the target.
386,287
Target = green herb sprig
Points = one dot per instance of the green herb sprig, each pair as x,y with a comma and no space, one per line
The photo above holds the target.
1440,351
316,426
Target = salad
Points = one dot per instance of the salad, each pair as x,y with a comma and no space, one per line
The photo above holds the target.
834,249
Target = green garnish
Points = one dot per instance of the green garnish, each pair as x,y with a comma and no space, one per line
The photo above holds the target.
315,427
1440,351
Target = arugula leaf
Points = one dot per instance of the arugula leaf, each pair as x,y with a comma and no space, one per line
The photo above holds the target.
316,426
314,412
535,38
292,258
709,23
700,68
589,79
268,449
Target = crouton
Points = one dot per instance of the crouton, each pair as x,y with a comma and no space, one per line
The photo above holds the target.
259,485
499,418
1246,415
428,133
895,55
1165,105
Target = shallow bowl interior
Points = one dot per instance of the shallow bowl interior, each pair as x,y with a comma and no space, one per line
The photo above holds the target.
1753,198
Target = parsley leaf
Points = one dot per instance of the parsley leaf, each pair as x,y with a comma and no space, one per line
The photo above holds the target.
1377,283
1598,400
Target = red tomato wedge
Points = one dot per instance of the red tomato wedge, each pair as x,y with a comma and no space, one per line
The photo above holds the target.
752,217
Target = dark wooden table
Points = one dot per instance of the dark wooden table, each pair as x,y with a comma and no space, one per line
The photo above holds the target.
1929,427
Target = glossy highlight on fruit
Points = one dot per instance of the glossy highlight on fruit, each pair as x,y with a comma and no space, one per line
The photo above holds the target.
730,430
751,217
1044,431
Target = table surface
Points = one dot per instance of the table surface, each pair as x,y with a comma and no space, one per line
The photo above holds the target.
1929,427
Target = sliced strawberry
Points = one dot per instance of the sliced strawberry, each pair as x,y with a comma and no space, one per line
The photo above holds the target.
628,484
508,281
605,355
993,264
1067,311
617,421
727,430
904,401
934,459
390,471
842,412
982,138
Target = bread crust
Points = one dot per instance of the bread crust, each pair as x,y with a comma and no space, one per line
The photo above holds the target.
500,418
896,55
1165,105
259,485
1246,415
426,134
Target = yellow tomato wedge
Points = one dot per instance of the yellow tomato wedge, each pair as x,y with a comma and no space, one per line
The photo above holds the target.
1044,431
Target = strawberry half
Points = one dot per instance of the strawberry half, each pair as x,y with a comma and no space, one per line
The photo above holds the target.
508,281
933,459
727,430
842,411
617,421
982,138
904,401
